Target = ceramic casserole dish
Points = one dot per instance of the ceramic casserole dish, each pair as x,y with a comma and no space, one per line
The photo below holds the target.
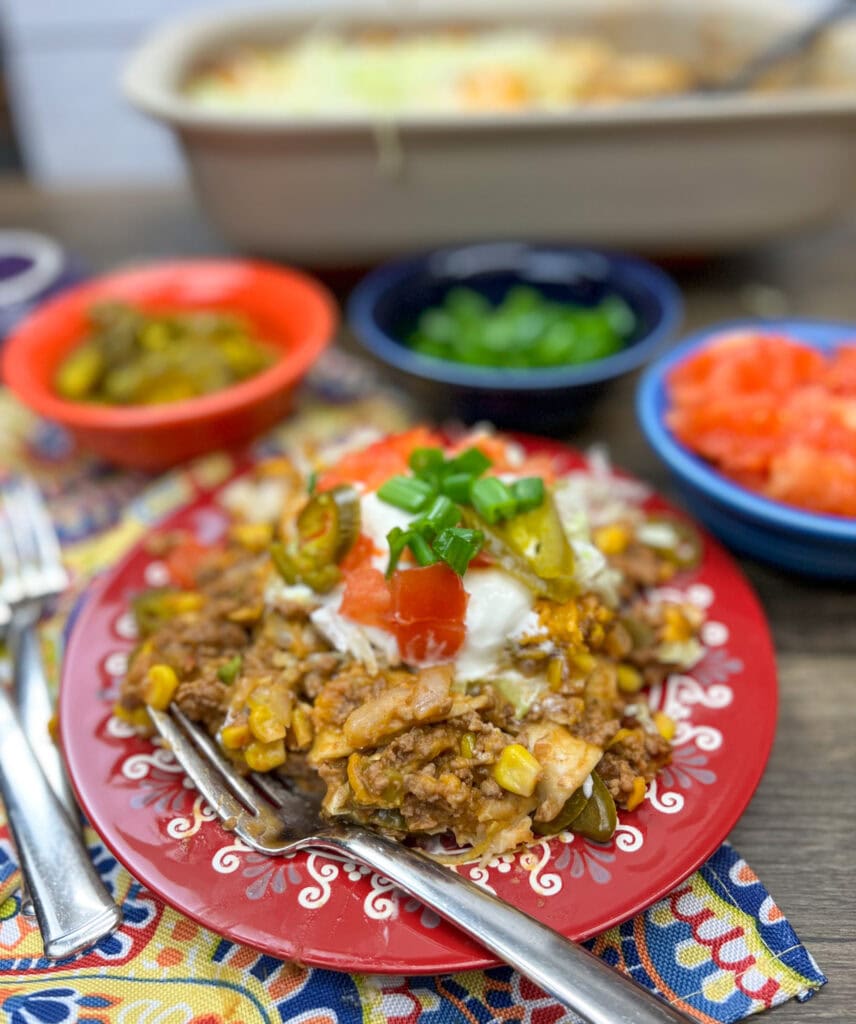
693,173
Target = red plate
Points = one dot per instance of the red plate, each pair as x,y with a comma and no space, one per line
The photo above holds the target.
334,913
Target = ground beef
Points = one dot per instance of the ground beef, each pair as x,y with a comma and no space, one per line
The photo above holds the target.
641,753
404,753
640,567
597,727
202,699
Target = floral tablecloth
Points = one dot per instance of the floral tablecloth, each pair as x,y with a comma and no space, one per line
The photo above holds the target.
718,946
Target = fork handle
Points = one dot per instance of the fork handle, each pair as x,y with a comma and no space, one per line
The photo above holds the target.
35,707
73,908
567,971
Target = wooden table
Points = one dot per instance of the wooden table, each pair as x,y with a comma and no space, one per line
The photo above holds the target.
801,843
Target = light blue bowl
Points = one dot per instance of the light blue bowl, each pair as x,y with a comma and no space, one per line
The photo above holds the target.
808,543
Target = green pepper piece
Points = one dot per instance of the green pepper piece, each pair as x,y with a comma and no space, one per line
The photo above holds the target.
572,808
532,547
152,609
229,671
597,820
321,578
328,525
298,568
80,372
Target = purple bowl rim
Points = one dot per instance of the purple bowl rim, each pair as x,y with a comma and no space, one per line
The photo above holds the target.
650,398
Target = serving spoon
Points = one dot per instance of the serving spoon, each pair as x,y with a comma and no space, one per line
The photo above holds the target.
788,45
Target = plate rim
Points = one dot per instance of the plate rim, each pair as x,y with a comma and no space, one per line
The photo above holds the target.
763,741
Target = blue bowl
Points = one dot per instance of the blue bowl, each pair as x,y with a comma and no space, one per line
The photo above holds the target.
385,307
821,546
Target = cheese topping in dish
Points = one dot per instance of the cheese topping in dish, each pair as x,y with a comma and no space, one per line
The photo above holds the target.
456,71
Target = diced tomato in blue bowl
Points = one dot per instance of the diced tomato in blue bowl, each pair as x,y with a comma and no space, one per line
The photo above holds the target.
809,543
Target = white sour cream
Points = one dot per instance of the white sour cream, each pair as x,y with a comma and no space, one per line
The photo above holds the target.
377,518
497,606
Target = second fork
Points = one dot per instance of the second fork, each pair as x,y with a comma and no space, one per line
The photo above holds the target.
33,573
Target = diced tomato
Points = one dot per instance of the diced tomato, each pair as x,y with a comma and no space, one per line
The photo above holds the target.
184,560
367,598
822,481
745,363
362,551
841,372
542,465
427,614
374,465
773,414
818,419
743,431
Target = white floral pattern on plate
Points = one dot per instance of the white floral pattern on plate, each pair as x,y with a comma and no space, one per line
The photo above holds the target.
549,866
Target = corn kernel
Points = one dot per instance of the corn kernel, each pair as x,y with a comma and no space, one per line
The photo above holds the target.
160,686
584,661
555,673
265,725
235,735
637,794
262,757
612,539
184,601
252,536
137,717
468,744
666,725
361,794
246,614
619,737
677,628
629,679
274,466
300,735
517,770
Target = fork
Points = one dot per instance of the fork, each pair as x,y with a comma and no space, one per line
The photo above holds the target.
71,905
276,820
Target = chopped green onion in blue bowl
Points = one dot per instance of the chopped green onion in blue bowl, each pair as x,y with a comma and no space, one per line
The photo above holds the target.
520,334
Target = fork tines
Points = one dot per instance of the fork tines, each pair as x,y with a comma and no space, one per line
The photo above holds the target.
241,808
30,555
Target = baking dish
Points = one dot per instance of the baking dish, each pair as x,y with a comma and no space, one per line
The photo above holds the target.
688,174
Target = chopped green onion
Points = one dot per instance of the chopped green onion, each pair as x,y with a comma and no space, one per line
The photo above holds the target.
442,514
492,499
228,672
457,487
398,540
458,547
407,492
472,461
311,483
528,492
421,549
427,463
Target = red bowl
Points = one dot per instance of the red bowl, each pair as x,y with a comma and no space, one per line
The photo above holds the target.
289,310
